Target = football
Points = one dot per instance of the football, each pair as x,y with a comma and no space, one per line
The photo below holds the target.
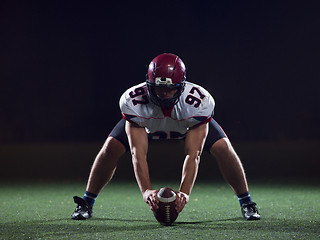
166,214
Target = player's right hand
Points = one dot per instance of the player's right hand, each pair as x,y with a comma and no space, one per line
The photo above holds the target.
150,197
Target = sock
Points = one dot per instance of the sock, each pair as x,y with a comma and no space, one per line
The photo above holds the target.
244,198
90,198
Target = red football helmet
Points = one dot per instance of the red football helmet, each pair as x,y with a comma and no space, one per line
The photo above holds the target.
166,70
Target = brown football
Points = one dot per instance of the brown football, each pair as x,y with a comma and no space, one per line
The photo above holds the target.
166,214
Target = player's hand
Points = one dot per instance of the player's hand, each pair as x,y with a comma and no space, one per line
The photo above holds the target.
150,197
181,201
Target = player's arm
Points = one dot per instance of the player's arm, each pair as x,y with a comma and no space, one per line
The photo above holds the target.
138,141
194,143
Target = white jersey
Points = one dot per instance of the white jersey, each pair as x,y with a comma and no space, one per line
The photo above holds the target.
195,106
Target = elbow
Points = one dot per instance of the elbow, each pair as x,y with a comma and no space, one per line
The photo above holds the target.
134,157
137,156
195,157
195,153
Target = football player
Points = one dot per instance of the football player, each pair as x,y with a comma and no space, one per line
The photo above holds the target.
166,106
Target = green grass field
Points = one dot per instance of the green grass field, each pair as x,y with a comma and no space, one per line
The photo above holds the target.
43,210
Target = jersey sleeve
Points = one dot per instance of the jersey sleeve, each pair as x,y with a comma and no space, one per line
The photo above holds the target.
200,111
129,111
206,112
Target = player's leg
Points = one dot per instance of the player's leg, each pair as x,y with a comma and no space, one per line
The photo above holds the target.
102,170
105,165
231,167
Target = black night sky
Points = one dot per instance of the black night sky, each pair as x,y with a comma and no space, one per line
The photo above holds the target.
65,64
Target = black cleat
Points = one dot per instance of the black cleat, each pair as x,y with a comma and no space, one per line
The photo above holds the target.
83,211
250,211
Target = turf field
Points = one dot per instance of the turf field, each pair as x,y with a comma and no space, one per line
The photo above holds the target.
43,210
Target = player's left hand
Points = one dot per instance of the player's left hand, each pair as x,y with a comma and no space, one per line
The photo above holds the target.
181,201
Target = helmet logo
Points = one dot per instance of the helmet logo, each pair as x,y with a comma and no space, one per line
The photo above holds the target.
163,81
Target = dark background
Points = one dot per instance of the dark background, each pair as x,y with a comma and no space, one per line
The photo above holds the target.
64,65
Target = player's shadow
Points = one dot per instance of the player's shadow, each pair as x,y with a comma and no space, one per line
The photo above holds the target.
118,220
207,221
236,219
154,222
108,219
192,222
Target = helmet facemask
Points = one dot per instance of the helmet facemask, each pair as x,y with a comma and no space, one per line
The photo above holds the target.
165,102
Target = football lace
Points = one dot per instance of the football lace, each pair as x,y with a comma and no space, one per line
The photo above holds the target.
167,212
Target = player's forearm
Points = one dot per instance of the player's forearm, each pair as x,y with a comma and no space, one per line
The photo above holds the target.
138,142
189,173
141,172
193,148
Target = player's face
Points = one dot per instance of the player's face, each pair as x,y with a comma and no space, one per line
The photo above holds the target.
164,92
